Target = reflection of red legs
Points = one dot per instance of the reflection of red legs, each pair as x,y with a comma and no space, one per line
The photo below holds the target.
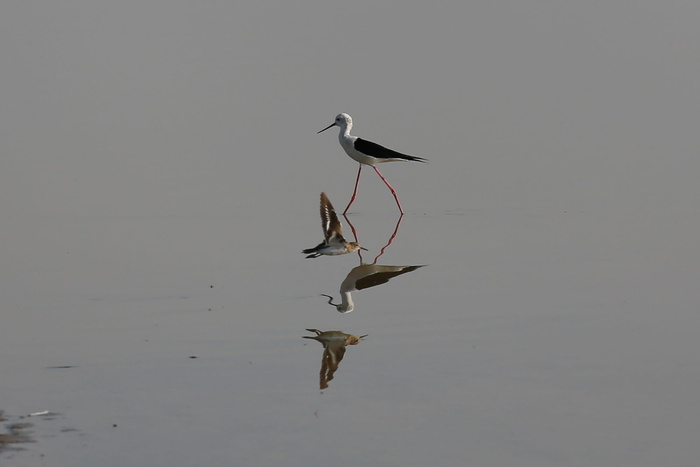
391,240
354,193
393,192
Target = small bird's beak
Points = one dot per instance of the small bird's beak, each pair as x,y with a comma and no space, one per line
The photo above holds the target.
363,248
329,126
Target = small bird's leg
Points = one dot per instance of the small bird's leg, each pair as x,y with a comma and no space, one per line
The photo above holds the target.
393,192
354,193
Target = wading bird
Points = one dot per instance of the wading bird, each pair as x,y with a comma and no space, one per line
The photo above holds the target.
367,153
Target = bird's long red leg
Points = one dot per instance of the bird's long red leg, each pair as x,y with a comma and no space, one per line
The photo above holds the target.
393,192
354,193
354,233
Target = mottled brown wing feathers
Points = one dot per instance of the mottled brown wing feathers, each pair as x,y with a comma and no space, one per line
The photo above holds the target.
329,221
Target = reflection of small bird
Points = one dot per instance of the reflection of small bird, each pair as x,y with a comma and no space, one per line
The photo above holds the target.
334,243
334,338
367,152
334,343
365,276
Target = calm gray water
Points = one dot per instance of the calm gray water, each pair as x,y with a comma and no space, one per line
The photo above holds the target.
161,174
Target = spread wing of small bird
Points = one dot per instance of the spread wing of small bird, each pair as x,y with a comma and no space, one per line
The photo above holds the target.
332,229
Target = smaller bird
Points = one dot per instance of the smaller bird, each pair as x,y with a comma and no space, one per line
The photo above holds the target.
334,243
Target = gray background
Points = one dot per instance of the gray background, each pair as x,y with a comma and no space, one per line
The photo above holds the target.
160,175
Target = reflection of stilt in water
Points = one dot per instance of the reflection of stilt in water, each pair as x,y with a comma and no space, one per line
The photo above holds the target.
334,344
391,239
365,276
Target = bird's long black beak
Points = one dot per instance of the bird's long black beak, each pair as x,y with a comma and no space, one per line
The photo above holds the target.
329,126
363,248
330,301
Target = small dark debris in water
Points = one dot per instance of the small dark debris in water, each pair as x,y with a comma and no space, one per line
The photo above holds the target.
60,366
114,425
211,286
193,356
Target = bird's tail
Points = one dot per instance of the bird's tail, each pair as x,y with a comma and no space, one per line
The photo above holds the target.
313,252
415,158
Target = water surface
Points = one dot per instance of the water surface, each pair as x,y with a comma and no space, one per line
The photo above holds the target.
161,175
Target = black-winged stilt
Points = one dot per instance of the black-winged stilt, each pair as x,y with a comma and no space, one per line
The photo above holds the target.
367,153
